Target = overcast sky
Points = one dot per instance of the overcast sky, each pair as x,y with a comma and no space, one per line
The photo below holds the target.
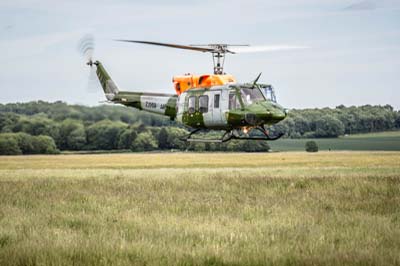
353,56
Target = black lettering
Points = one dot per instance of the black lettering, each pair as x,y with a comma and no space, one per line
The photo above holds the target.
150,105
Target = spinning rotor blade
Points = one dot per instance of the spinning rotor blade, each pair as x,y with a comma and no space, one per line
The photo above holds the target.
265,48
179,46
86,47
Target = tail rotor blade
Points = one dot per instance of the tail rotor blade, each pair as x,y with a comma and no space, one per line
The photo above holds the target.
86,47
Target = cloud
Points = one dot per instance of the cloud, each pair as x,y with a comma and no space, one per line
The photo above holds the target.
38,44
363,5
368,5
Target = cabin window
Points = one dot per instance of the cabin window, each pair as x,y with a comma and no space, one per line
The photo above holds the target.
192,104
203,104
216,101
233,101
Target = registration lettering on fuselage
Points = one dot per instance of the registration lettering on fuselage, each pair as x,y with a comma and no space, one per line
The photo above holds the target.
151,105
154,104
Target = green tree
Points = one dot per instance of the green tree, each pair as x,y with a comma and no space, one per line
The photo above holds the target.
7,121
44,145
25,142
174,138
329,126
301,125
76,140
145,141
72,135
126,138
254,146
163,139
104,135
397,121
9,145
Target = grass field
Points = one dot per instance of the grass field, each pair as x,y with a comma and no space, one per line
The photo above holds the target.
326,208
383,141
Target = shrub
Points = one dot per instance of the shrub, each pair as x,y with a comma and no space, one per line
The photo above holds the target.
72,135
24,142
9,145
163,139
104,135
145,141
44,145
126,138
311,146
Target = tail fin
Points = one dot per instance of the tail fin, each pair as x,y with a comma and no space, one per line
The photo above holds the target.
109,87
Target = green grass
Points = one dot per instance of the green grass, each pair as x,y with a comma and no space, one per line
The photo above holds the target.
382,141
327,208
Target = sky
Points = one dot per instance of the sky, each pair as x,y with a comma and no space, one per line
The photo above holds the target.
351,54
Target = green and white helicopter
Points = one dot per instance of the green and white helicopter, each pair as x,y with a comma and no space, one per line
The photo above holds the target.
203,102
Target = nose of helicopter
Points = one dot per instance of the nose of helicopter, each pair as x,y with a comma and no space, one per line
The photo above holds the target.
258,113
274,112
279,113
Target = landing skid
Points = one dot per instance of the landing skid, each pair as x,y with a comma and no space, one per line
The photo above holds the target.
232,134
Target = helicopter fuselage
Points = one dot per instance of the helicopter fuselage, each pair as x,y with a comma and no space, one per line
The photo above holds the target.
219,107
225,107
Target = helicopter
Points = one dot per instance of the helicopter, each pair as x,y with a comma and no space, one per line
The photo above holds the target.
206,102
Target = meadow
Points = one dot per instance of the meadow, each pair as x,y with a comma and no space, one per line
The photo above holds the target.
381,141
296,208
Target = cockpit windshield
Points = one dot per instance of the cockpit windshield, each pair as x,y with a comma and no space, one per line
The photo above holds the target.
251,95
247,94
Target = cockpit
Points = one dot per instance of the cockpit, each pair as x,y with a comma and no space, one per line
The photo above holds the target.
250,94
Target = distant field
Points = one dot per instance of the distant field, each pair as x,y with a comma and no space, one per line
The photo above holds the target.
383,141
326,208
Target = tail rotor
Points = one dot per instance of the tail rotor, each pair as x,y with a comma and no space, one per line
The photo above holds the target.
85,47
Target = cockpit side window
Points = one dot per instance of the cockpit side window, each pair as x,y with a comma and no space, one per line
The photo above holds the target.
268,92
233,100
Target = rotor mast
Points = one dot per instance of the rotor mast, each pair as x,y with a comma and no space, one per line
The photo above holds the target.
218,57
218,52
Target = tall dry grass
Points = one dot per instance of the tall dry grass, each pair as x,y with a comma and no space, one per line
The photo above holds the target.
201,209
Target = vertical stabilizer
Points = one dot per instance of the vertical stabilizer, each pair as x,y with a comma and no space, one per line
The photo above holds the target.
108,85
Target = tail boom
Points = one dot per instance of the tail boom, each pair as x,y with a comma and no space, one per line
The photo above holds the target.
163,104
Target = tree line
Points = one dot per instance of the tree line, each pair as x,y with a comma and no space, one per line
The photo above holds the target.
43,127
335,122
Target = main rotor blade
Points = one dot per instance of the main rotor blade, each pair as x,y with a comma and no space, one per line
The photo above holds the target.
266,48
179,46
